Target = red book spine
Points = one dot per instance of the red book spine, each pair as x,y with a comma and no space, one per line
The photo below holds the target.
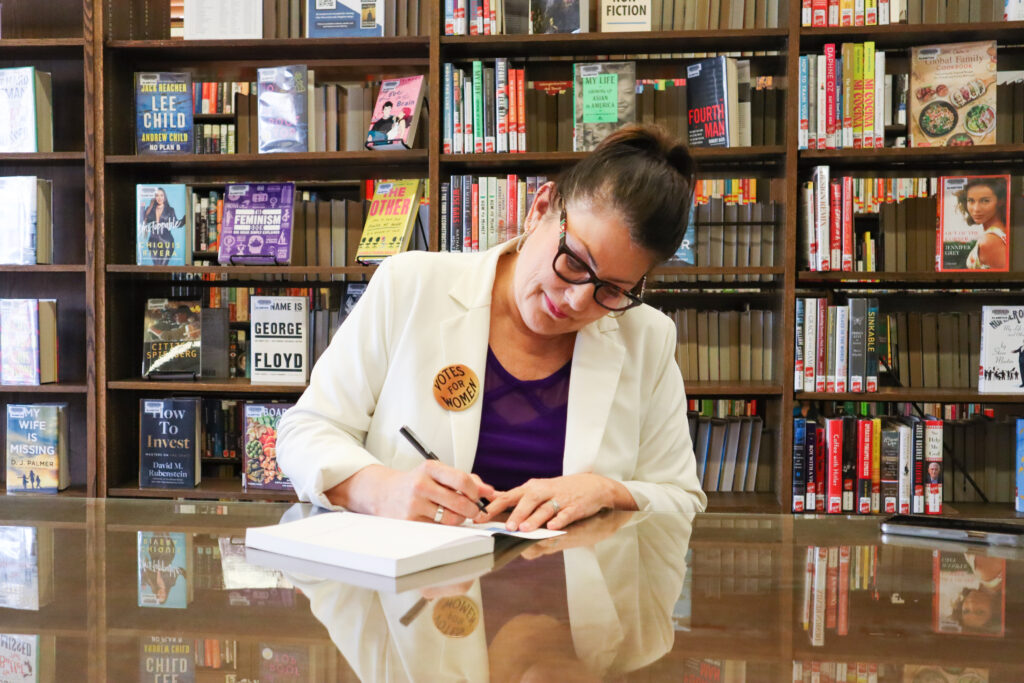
486,17
820,456
819,12
512,207
864,431
848,247
835,223
830,95
475,224
513,114
521,114
834,466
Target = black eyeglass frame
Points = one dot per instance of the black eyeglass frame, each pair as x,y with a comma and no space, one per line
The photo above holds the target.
632,300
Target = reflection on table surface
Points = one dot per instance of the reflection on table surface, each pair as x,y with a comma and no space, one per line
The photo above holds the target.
126,590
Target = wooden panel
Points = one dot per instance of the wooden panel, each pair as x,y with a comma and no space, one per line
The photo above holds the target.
56,19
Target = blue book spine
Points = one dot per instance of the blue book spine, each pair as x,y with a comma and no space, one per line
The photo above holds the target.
449,103
839,102
1018,496
344,19
163,113
799,471
804,109
449,17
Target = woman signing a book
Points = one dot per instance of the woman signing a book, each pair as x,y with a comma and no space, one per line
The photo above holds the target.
532,370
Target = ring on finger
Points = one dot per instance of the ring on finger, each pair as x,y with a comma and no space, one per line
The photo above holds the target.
439,514
555,506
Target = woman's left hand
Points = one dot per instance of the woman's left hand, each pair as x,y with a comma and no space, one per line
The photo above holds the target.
577,496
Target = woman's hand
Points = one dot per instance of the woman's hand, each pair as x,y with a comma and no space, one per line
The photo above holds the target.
583,534
578,496
413,495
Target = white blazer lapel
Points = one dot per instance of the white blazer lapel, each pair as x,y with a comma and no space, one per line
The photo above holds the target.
596,364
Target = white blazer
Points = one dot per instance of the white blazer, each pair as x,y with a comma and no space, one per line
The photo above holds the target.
424,311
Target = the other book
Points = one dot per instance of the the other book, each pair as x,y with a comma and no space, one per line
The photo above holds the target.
974,223
559,16
261,470
390,220
1002,350
172,339
37,452
28,658
163,113
162,237
396,113
169,431
257,223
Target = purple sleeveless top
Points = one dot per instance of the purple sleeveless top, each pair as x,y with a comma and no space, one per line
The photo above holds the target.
522,427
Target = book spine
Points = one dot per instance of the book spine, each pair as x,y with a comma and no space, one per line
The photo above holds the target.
830,96
871,347
449,17
478,107
933,466
489,109
820,367
871,12
502,108
858,95
843,610
810,343
803,124
821,127
449,108
819,13
879,99
474,238
821,213
917,505
799,465
846,13
805,13
811,466
869,94
458,115
848,247
455,227
833,12
876,464
832,588
513,110
846,135
835,224
906,458
883,12
445,231
798,347
889,474
858,13
842,347
864,435
834,465
467,213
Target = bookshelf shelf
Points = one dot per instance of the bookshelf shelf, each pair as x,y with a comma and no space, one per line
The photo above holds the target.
240,272
360,162
383,51
916,157
742,502
932,395
41,48
715,270
230,489
45,268
41,157
706,156
937,280
53,388
748,388
907,35
228,386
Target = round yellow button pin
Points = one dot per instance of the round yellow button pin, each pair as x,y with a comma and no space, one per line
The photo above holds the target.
456,387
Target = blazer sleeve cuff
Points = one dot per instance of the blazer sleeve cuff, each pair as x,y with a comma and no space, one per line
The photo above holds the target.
653,497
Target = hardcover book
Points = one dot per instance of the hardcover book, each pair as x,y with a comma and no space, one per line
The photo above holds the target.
224,20
283,664
396,113
712,98
969,594
165,569
559,16
261,470
37,458
28,341
279,352
390,220
604,100
26,228
163,113
27,658
162,237
283,123
172,338
26,567
344,18
1002,350
953,95
169,430
974,224
168,658
257,223
26,110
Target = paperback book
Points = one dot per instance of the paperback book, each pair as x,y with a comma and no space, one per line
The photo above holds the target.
257,223
26,230
1002,350
974,224
26,110
279,352
953,95
396,113
224,19
344,18
969,594
162,237
172,339
28,341
169,435
165,560
712,96
26,567
283,123
604,100
168,658
281,663
625,15
28,658
261,470
559,16
163,113
37,457
390,220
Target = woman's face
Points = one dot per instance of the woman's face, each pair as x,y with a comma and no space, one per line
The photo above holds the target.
548,305
977,609
160,197
982,204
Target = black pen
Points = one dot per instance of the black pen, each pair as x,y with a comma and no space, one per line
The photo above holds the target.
429,455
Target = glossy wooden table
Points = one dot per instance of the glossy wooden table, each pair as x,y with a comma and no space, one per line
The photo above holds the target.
623,597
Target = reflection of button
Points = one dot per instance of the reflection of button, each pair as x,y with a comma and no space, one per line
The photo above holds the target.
456,617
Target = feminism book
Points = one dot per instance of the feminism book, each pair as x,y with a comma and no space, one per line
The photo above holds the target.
953,95
257,223
172,338
169,443
163,113
261,470
165,560
389,222
37,459
974,224
344,18
396,113
604,100
162,237
1002,350
283,124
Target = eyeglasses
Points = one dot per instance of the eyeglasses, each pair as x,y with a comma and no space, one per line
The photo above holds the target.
574,270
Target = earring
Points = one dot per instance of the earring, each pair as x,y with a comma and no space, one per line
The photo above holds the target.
522,240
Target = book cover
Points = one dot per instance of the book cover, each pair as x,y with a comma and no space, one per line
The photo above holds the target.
969,594
604,100
161,228
396,113
283,123
344,18
283,663
36,448
974,223
169,443
28,341
279,349
172,338
167,658
711,96
27,658
26,567
164,568
625,15
26,236
1002,350
222,20
559,16
163,113
261,470
25,110
257,223
390,220
953,94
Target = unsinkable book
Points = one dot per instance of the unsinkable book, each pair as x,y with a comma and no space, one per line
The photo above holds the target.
163,113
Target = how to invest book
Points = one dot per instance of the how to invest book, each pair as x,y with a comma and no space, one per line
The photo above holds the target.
390,220
26,110
279,352
283,122
169,451
163,113
261,470
344,18
396,113
172,338
1002,350
37,457
26,227
953,94
257,223
165,569
604,100
162,237
972,209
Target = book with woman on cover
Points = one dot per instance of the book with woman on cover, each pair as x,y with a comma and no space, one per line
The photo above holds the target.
162,234
974,224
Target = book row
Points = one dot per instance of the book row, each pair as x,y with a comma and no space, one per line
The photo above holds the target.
881,12
832,574
28,341
26,220
728,452
987,452
26,107
868,465
722,407
836,346
735,235
725,346
480,212
731,571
